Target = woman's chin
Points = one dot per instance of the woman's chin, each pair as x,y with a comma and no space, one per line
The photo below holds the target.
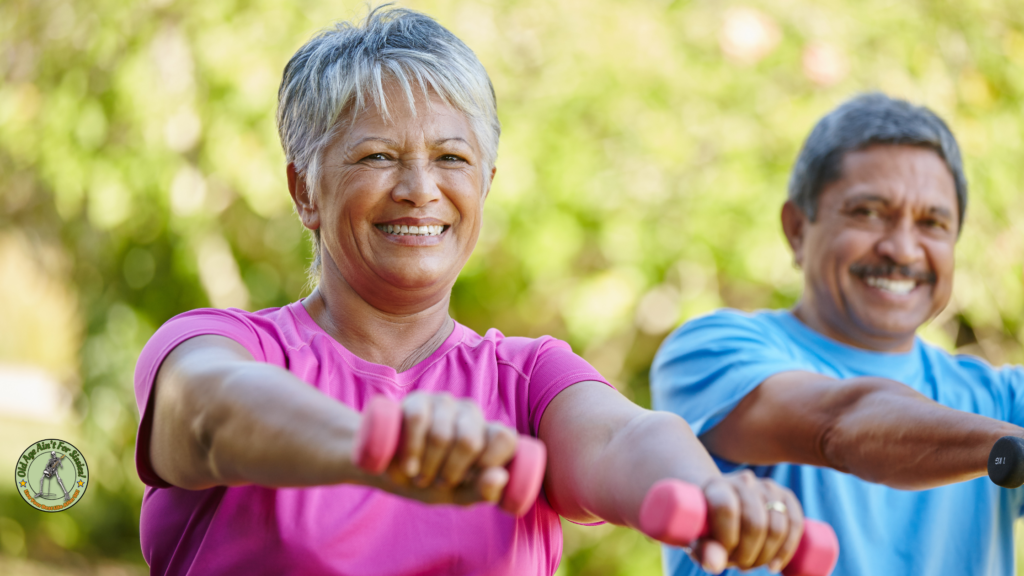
414,279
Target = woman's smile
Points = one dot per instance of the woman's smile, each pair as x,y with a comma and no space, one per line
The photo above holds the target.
413,231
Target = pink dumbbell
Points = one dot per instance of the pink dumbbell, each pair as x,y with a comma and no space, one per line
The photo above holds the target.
676,513
380,431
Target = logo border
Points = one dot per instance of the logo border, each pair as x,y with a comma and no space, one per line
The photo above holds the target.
80,496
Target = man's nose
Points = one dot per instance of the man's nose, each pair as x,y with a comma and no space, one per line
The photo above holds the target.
417,186
901,244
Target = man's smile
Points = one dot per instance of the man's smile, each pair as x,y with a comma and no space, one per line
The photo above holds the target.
900,287
891,278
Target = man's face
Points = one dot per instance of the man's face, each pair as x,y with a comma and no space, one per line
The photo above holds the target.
878,260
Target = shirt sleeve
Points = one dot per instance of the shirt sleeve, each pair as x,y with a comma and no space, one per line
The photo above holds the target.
707,366
556,368
1013,381
228,323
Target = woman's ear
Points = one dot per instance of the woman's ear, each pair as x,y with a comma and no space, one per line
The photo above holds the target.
490,181
305,204
794,225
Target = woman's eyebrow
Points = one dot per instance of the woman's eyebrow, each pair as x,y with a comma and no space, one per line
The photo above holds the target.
387,141
441,141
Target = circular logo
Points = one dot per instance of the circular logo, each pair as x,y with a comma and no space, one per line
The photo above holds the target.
51,475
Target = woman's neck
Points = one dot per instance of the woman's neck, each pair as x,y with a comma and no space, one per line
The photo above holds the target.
398,340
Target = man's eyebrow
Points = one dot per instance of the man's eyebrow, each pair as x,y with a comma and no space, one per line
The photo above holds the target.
865,197
941,211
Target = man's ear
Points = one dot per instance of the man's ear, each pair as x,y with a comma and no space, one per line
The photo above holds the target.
305,204
794,225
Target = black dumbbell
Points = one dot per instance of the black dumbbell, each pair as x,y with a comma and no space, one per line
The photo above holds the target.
1006,462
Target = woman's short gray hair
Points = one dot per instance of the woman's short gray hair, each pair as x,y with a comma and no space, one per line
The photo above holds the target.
867,119
345,68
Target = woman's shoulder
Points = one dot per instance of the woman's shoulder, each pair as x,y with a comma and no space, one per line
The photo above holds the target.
283,325
234,317
519,351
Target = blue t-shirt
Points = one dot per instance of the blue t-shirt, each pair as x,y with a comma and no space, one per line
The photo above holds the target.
708,365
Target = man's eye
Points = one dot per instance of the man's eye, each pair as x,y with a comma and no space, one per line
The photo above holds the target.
934,224
865,212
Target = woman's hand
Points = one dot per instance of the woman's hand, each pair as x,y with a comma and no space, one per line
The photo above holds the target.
449,453
753,522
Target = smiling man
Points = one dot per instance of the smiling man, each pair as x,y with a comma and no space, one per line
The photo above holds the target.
877,432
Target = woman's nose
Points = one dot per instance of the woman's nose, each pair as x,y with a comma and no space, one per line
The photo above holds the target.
417,186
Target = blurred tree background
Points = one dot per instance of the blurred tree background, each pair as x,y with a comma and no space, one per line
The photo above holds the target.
645,155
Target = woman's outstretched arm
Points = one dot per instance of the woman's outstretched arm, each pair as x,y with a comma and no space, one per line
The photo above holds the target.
604,453
222,419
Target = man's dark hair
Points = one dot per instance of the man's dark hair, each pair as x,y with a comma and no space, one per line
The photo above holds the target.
858,123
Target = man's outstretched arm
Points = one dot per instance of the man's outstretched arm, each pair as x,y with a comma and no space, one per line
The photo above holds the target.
876,429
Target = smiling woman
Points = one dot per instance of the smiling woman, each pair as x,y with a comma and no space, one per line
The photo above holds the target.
420,170
249,420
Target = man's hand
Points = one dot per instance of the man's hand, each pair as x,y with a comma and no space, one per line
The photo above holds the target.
753,522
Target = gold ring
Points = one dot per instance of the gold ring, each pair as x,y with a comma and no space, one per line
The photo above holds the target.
776,506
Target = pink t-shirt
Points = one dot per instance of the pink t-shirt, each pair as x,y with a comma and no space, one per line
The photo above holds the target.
346,529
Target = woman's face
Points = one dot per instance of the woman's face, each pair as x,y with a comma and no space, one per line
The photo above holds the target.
400,202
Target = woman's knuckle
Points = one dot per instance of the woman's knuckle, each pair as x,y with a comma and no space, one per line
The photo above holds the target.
755,523
504,435
469,443
439,437
728,512
416,419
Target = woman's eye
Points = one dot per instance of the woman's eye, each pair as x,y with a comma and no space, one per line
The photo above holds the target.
452,158
865,212
377,156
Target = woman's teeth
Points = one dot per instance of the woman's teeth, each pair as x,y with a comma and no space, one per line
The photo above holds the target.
889,285
411,230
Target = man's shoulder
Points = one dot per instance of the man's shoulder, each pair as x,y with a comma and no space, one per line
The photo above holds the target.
972,365
726,322
764,334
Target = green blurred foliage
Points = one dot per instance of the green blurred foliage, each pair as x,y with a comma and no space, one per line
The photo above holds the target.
645,152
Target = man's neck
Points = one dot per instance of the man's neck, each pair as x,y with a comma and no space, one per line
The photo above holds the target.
809,315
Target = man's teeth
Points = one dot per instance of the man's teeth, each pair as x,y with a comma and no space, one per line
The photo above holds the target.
890,285
410,230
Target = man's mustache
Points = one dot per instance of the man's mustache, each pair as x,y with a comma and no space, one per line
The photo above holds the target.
891,269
